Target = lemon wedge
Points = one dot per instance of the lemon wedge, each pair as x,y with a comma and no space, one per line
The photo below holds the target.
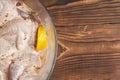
42,42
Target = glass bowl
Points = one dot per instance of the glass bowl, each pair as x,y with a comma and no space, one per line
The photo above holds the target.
46,20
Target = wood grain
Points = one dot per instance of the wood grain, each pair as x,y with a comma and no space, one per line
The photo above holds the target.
88,33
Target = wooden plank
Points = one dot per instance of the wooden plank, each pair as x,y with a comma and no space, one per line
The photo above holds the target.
85,12
89,39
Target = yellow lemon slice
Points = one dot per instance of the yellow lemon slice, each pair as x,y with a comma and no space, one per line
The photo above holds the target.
42,42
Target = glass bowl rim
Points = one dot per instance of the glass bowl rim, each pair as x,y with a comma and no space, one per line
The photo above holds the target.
56,43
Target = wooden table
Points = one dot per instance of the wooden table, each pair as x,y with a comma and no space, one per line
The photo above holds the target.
88,33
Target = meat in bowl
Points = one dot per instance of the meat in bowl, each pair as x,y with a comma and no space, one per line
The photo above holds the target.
23,41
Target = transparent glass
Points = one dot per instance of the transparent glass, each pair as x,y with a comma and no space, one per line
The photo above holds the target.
51,33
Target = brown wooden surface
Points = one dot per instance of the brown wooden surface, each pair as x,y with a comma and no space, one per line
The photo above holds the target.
89,39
